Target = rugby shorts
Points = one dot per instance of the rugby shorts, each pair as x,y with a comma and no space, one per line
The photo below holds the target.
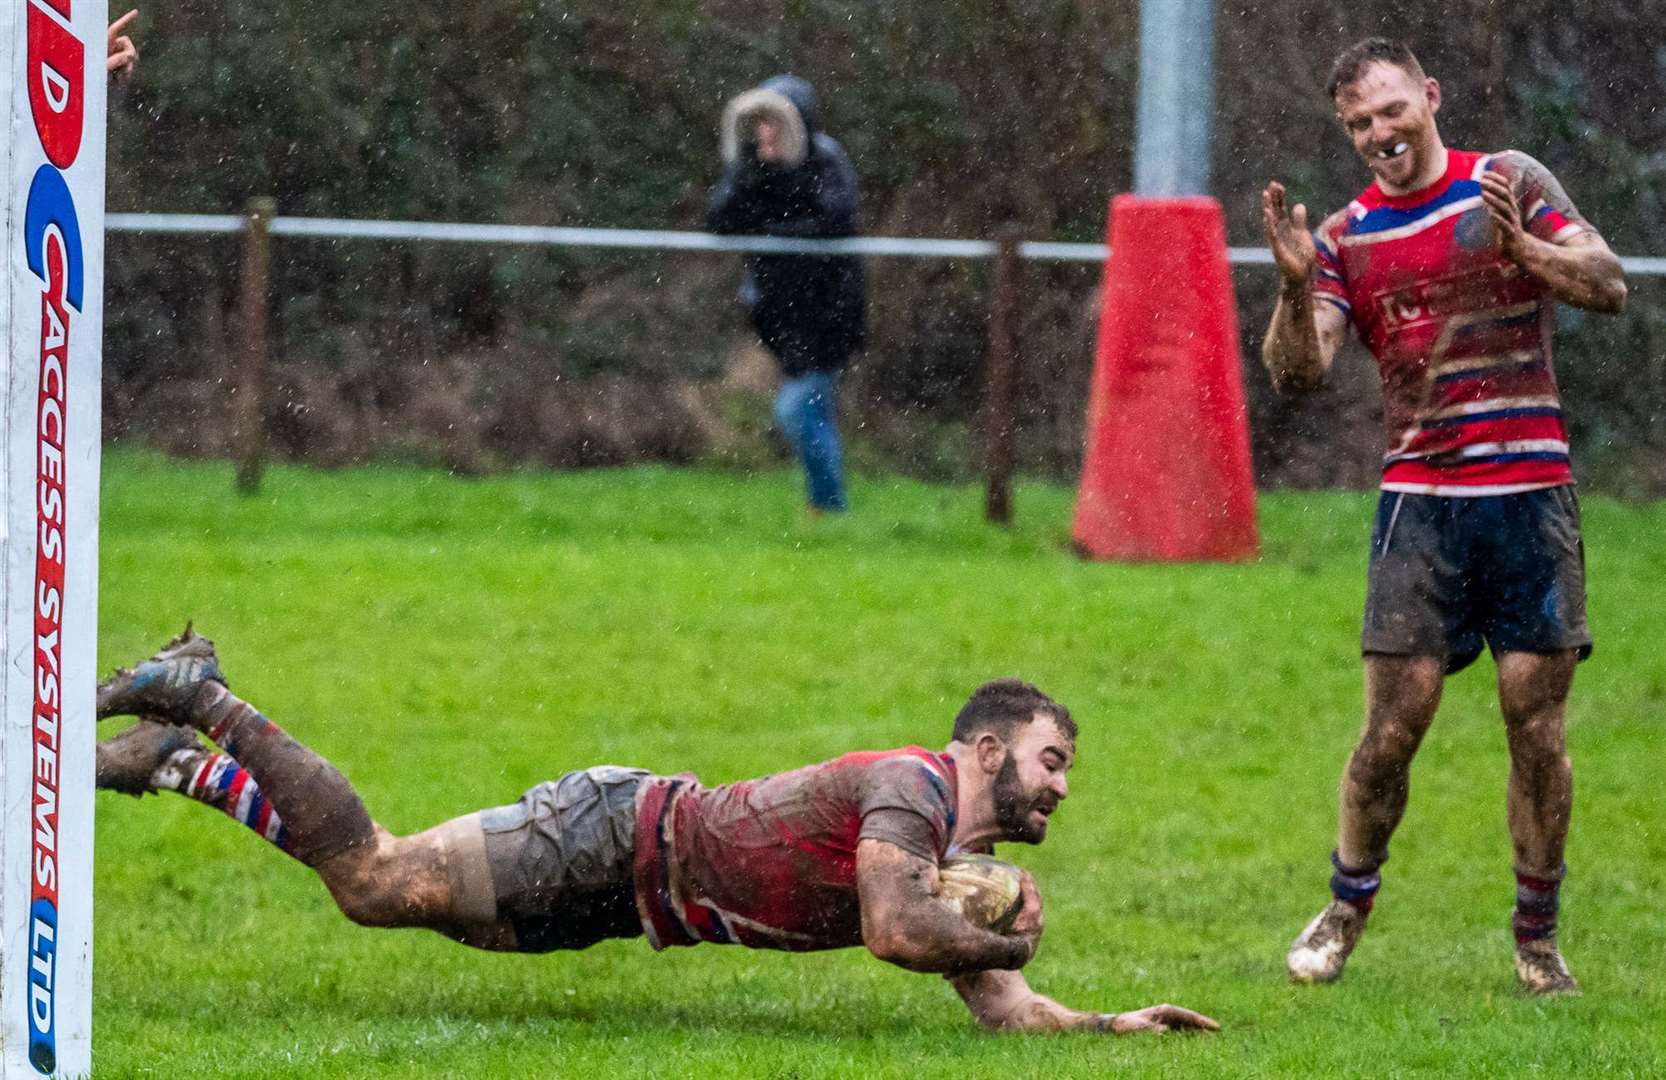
561,859
1449,574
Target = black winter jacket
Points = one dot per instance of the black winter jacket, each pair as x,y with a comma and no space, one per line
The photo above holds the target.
808,309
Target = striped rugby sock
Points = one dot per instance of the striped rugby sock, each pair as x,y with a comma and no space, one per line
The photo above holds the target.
322,814
1537,903
1355,886
217,780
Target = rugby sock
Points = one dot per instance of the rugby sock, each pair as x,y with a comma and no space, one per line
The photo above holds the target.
1357,887
217,780
322,814
1537,901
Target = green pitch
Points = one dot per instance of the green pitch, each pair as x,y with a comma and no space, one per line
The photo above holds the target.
449,643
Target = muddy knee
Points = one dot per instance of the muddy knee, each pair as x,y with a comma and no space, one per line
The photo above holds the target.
394,881
362,893
1536,759
1537,735
1383,755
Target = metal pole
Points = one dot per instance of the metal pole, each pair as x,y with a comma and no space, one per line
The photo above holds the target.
1176,97
251,374
1000,422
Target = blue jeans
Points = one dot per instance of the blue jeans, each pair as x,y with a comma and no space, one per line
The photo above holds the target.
804,414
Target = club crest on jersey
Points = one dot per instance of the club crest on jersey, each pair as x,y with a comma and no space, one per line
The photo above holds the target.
1443,297
1474,231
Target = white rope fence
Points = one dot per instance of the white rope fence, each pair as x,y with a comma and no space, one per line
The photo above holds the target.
262,222
665,240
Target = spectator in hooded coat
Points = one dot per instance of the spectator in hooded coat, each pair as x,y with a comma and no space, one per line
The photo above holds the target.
784,177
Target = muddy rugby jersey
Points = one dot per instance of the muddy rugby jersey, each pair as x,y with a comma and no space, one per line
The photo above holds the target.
771,863
1460,332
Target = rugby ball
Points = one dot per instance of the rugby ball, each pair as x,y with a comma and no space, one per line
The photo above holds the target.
983,889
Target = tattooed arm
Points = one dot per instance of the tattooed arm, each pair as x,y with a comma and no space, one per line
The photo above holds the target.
1539,229
905,923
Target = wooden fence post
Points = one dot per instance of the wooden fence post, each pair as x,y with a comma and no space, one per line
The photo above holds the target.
1000,421
256,287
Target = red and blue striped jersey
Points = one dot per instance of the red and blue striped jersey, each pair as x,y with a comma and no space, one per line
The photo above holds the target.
771,863
1460,332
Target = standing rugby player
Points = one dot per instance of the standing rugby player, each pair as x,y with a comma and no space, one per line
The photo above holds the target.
1449,265
828,856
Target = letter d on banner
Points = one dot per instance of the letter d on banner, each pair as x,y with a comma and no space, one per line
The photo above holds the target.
1166,475
53,318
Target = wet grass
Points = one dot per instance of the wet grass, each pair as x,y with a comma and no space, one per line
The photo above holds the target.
451,642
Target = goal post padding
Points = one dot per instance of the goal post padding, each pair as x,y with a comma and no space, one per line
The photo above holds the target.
53,319
1166,473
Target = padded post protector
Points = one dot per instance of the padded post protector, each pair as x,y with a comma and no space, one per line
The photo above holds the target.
1166,474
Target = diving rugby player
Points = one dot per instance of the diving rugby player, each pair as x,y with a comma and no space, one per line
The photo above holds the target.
828,856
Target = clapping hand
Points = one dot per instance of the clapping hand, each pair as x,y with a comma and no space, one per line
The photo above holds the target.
1288,236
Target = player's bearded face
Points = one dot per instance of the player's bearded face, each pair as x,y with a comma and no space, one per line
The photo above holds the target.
1021,812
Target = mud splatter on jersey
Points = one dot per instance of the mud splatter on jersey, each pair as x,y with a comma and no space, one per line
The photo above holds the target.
771,863
1460,332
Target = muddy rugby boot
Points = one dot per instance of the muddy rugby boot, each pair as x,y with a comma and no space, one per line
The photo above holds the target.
1541,969
1318,954
129,762
165,685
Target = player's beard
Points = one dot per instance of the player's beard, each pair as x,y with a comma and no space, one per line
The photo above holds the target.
1013,806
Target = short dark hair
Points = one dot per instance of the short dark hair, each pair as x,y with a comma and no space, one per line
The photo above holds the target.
1005,705
1351,62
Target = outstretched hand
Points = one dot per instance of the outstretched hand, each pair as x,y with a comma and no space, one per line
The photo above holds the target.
1287,236
122,55
1161,1018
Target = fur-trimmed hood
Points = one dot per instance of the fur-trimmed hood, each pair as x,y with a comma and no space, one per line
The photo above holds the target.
810,310
789,100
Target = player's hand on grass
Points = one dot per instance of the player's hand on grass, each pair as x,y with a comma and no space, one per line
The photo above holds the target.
1288,237
1500,200
1160,1018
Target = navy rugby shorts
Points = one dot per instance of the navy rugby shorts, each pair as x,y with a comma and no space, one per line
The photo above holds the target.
1449,574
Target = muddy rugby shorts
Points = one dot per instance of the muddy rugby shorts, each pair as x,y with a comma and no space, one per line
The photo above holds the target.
1449,574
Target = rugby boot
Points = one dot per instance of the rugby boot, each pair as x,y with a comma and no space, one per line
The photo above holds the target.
129,762
1541,969
1317,956
165,685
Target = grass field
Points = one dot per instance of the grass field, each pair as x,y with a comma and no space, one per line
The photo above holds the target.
449,643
